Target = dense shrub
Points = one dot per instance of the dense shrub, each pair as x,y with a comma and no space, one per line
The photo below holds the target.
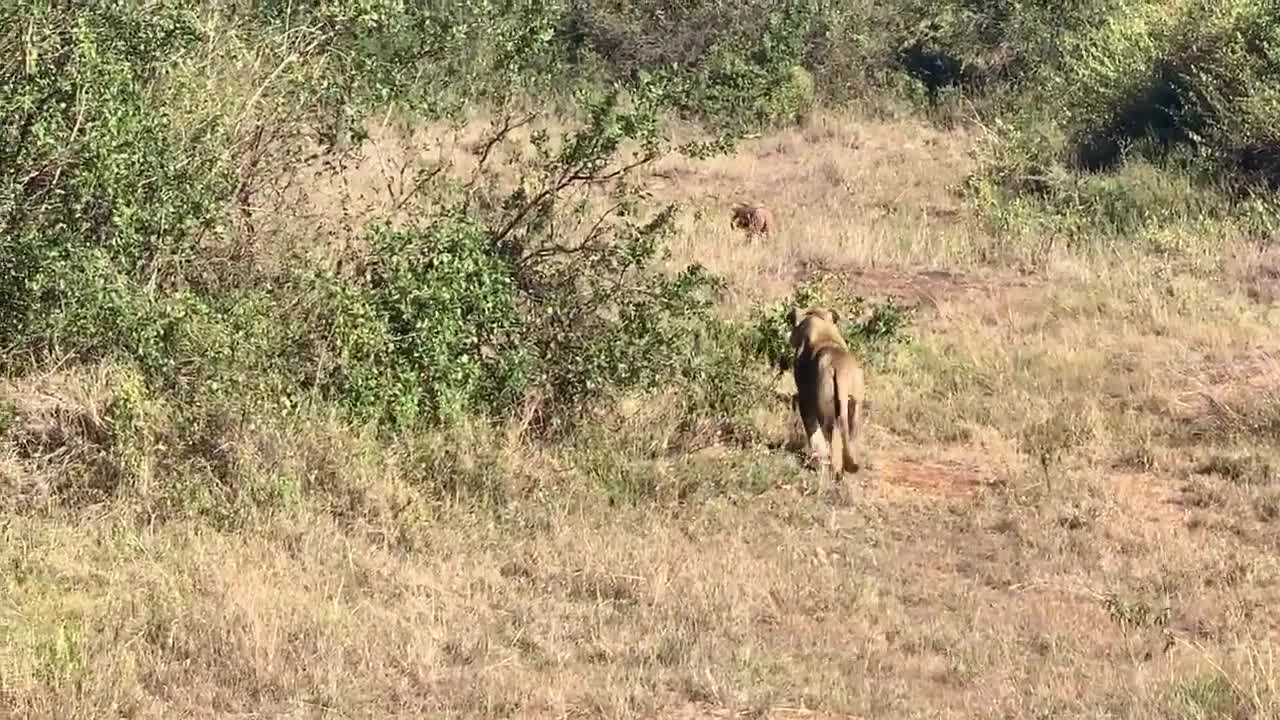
633,36
429,330
101,210
427,56
743,63
597,315
1227,61
1176,106
853,49
115,203
873,330
981,45
753,81
1145,80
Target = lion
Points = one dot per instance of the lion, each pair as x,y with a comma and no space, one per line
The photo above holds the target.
829,386
756,219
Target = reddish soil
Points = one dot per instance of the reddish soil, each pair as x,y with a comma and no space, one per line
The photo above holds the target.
948,478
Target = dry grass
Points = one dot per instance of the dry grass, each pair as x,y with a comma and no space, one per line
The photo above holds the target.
1072,509
847,195
1257,270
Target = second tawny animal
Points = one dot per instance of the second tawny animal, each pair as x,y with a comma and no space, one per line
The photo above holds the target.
830,387
756,219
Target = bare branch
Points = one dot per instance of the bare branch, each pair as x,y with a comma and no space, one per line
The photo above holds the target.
418,185
590,178
566,179
586,244
509,125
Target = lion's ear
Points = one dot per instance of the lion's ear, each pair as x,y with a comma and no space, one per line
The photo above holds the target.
835,317
796,314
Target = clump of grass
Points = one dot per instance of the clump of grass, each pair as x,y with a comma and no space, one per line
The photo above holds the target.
1247,469
1204,698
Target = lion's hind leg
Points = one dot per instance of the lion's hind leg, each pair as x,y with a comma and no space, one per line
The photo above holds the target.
839,446
852,421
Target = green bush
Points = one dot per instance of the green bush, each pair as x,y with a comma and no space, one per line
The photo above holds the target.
1147,81
739,55
1146,118
872,332
749,82
1229,69
597,313
742,63
1115,86
102,212
431,330
430,57
849,50
117,245
630,37
984,46
510,297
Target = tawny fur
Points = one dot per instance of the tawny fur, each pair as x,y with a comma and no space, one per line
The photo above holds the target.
755,219
829,385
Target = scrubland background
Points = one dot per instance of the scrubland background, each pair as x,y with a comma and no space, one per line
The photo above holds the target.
366,358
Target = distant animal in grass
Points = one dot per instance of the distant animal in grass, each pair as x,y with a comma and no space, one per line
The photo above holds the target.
755,218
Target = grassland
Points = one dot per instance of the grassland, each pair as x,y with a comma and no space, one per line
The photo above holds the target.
1071,506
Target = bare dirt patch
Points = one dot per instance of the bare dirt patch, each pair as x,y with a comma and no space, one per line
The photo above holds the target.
946,478
953,474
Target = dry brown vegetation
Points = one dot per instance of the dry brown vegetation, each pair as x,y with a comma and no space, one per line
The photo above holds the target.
1070,508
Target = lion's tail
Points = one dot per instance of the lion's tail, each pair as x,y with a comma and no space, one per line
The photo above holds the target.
840,434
